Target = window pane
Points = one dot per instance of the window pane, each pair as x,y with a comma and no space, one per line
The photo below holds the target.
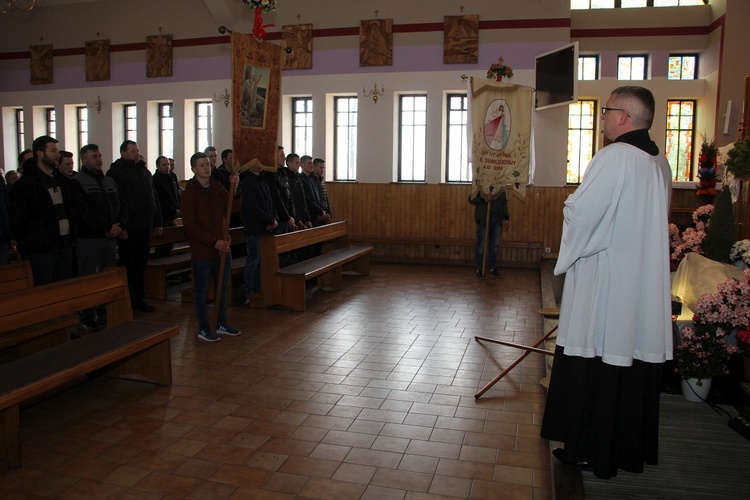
682,67
628,4
581,139
83,125
345,139
679,138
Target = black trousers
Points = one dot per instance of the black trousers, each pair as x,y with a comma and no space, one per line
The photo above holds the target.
134,256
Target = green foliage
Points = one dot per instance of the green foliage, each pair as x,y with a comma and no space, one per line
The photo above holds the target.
720,233
739,159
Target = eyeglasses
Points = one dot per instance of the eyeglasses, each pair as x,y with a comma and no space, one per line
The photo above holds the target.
606,110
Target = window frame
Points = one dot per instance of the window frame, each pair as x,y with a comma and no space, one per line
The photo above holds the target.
163,123
631,57
682,56
130,134
208,130
20,133
401,127
463,128
597,67
50,120
307,128
352,125
80,133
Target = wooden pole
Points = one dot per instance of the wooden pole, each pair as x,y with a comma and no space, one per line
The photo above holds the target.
486,234
223,255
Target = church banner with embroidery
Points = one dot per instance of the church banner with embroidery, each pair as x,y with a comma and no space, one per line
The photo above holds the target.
256,99
500,134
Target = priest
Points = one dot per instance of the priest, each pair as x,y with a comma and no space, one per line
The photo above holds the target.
615,317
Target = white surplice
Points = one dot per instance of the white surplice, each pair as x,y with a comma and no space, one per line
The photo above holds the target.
615,256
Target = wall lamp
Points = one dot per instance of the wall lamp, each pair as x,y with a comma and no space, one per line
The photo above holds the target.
374,93
96,104
225,97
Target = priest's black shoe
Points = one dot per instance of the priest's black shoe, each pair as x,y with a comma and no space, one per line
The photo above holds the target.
559,453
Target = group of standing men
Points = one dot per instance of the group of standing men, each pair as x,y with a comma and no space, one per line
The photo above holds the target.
58,215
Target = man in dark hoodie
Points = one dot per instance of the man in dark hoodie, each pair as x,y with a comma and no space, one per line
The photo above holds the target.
41,214
99,223
136,189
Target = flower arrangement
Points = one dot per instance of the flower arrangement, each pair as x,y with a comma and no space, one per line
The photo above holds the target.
499,70
729,307
741,252
264,5
691,240
707,163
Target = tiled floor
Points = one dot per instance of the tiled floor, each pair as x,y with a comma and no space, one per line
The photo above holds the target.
368,394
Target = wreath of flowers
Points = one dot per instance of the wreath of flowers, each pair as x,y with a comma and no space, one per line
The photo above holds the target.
499,69
264,5
707,162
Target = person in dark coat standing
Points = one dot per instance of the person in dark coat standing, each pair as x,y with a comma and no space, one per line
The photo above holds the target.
499,222
41,214
136,188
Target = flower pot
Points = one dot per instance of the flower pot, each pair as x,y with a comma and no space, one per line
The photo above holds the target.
739,264
499,78
696,390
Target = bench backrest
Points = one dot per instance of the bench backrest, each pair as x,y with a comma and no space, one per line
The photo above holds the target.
16,276
332,236
42,303
336,232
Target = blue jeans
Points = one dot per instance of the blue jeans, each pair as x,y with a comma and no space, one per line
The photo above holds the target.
496,229
203,270
251,273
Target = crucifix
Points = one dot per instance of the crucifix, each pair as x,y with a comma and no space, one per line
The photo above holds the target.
97,34
41,39
377,12
160,29
298,17
461,9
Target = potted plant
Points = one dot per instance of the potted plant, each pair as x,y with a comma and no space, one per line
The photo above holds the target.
702,354
740,254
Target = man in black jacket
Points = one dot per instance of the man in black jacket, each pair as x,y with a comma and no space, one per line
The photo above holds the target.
259,217
168,193
41,214
136,188
99,222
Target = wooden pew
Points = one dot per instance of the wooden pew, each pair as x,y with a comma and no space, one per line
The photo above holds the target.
155,275
286,286
20,342
125,349
16,276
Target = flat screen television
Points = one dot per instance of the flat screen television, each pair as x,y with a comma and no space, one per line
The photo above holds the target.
556,80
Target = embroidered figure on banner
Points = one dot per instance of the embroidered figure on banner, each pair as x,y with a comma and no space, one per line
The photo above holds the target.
254,94
497,123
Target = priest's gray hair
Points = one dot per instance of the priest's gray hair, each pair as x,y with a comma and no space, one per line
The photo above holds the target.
639,103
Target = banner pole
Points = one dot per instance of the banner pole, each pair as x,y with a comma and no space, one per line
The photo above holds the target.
486,234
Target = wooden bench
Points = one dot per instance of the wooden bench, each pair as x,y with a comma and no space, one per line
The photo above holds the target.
287,286
157,269
124,349
21,342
